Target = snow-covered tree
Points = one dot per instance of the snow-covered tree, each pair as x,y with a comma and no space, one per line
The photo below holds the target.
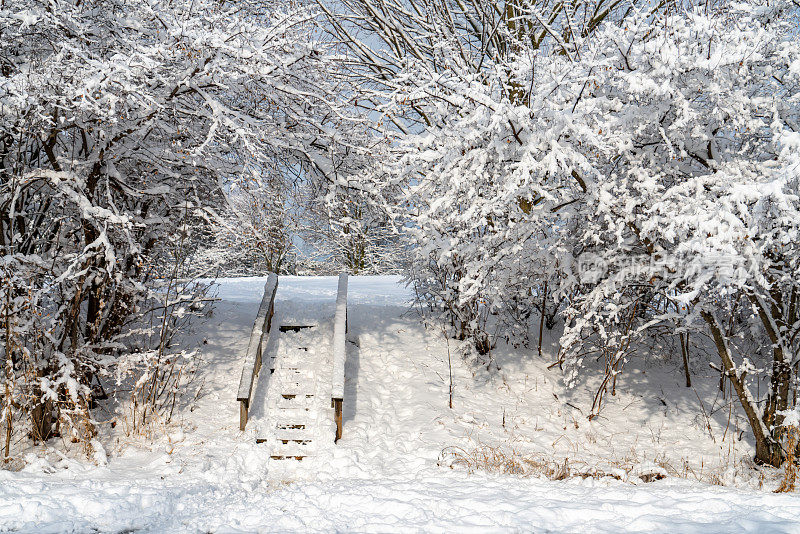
689,131
256,237
448,69
118,120
643,169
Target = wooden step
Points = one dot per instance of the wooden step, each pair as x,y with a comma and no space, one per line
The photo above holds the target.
297,398
295,434
296,356
296,389
295,402
294,327
289,363
296,370
293,414
296,373
292,434
296,379
291,448
290,426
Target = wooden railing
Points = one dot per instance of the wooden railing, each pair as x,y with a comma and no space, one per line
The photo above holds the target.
339,353
258,341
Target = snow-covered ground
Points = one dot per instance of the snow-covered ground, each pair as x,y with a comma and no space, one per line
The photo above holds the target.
400,464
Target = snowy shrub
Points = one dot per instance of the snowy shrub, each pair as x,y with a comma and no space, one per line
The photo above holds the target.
691,206
642,166
256,236
154,377
445,80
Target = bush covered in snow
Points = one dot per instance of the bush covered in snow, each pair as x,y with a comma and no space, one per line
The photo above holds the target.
634,167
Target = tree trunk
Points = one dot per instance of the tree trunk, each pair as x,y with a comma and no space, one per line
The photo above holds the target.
685,354
541,319
9,364
774,322
43,422
768,450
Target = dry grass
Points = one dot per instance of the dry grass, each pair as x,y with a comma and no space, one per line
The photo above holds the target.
730,466
500,460
790,463
509,461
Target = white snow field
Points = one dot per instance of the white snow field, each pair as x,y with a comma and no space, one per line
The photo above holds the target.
397,467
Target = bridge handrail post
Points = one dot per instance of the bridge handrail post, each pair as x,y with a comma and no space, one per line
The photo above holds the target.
339,353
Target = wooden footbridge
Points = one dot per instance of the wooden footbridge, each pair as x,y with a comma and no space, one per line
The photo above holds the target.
297,405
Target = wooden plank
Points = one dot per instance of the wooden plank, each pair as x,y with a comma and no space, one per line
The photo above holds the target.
339,354
339,344
255,347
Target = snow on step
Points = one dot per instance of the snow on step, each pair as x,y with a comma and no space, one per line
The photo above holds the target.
289,426
291,415
304,434
296,415
293,390
296,402
293,437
